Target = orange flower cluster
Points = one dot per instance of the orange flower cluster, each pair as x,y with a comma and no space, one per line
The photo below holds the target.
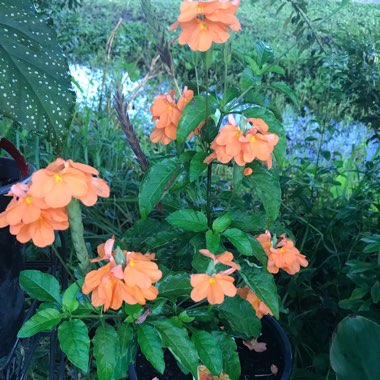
130,280
232,143
167,113
215,287
205,374
38,208
205,22
259,306
283,255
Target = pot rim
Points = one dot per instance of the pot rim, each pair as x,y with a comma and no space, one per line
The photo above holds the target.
6,188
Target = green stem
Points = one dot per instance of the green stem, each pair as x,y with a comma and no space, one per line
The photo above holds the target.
208,195
77,231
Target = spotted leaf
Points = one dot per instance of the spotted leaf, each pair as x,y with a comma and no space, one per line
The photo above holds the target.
35,83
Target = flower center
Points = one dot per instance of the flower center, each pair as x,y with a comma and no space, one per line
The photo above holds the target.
28,200
203,25
282,250
252,139
212,280
200,9
58,178
132,264
237,134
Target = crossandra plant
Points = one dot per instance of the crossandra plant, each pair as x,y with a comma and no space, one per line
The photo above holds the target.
197,271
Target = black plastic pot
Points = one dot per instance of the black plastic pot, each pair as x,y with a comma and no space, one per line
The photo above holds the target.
11,261
279,353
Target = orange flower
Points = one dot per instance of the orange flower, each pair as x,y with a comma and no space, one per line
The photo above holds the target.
232,143
226,258
203,23
205,374
259,306
285,255
63,180
41,231
107,287
214,288
108,284
167,113
141,271
247,171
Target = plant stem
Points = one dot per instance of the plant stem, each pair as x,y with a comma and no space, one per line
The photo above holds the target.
77,231
208,195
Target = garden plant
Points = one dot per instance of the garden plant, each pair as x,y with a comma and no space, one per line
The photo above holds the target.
187,244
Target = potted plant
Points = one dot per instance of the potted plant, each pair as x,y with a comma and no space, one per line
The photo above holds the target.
33,107
192,281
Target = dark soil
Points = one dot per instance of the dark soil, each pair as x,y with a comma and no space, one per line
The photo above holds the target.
254,365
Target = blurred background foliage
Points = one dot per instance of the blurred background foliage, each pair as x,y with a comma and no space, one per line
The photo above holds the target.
328,53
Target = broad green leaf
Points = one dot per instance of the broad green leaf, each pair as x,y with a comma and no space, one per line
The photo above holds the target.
375,292
231,94
188,220
133,309
69,299
127,349
231,361
212,241
150,345
195,113
261,282
240,240
75,343
174,285
240,318
285,89
222,222
248,79
40,285
35,80
158,179
177,340
197,166
44,320
267,187
106,350
258,250
355,349
264,53
209,351
247,221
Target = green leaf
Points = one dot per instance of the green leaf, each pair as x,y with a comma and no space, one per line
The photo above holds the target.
355,349
174,285
188,220
158,179
231,361
150,345
240,240
44,320
264,53
127,349
35,80
133,309
197,166
106,349
222,222
285,89
375,292
75,343
258,250
176,339
240,318
194,113
247,221
69,299
41,286
209,351
212,241
248,79
262,284
267,187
